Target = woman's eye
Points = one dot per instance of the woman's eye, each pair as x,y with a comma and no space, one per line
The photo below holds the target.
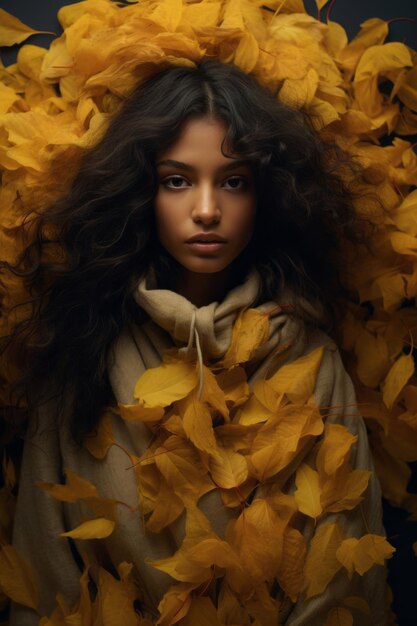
175,182
235,182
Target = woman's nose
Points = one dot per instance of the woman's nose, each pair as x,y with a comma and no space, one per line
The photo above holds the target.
205,208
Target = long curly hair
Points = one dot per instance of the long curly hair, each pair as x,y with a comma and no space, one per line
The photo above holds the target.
105,225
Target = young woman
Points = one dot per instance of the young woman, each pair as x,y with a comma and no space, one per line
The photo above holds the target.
200,238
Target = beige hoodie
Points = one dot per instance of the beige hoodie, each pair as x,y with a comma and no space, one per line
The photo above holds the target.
174,321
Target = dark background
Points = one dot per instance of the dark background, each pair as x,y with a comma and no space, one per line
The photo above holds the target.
41,15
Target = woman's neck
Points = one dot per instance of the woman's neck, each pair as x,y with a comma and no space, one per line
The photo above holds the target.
203,289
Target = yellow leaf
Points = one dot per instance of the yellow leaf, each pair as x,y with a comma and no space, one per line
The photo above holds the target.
334,448
92,529
257,526
307,494
180,465
229,469
247,53
397,378
290,575
234,385
201,612
175,604
114,602
140,413
160,386
280,439
7,98
359,555
16,578
198,424
339,616
373,32
343,491
76,488
250,331
297,380
99,443
299,93
372,353
321,563
377,59
321,3
213,394
13,31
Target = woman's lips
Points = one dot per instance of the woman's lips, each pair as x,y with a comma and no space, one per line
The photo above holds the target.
206,242
206,246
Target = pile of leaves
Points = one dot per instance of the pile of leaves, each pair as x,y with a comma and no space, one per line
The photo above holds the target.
54,103
211,433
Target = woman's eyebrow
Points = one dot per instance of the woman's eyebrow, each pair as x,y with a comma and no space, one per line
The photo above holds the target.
186,166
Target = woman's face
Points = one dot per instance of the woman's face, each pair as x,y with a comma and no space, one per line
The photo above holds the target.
205,204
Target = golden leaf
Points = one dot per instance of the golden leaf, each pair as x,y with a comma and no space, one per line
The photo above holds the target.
290,575
397,378
182,468
338,616
234,385
359,555
343,491
334,448
140,413
201,612
229,469
76,488
213,394
175,604
257,526
99,443
307,494
13,31
297,380
247,52
16,579
250,331
92,529
321,562
321,3
198,424
160,386
114,602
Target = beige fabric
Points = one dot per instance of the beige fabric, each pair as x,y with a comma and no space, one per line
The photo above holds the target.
40,519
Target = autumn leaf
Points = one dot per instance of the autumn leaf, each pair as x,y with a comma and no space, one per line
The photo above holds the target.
114,602
297,380
13,31
290,574
16,578
307,494
139,412
76,488
92,529
175,604
334,448
397,378
359,555
198,424
229,469
163,385
321,562
250,331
